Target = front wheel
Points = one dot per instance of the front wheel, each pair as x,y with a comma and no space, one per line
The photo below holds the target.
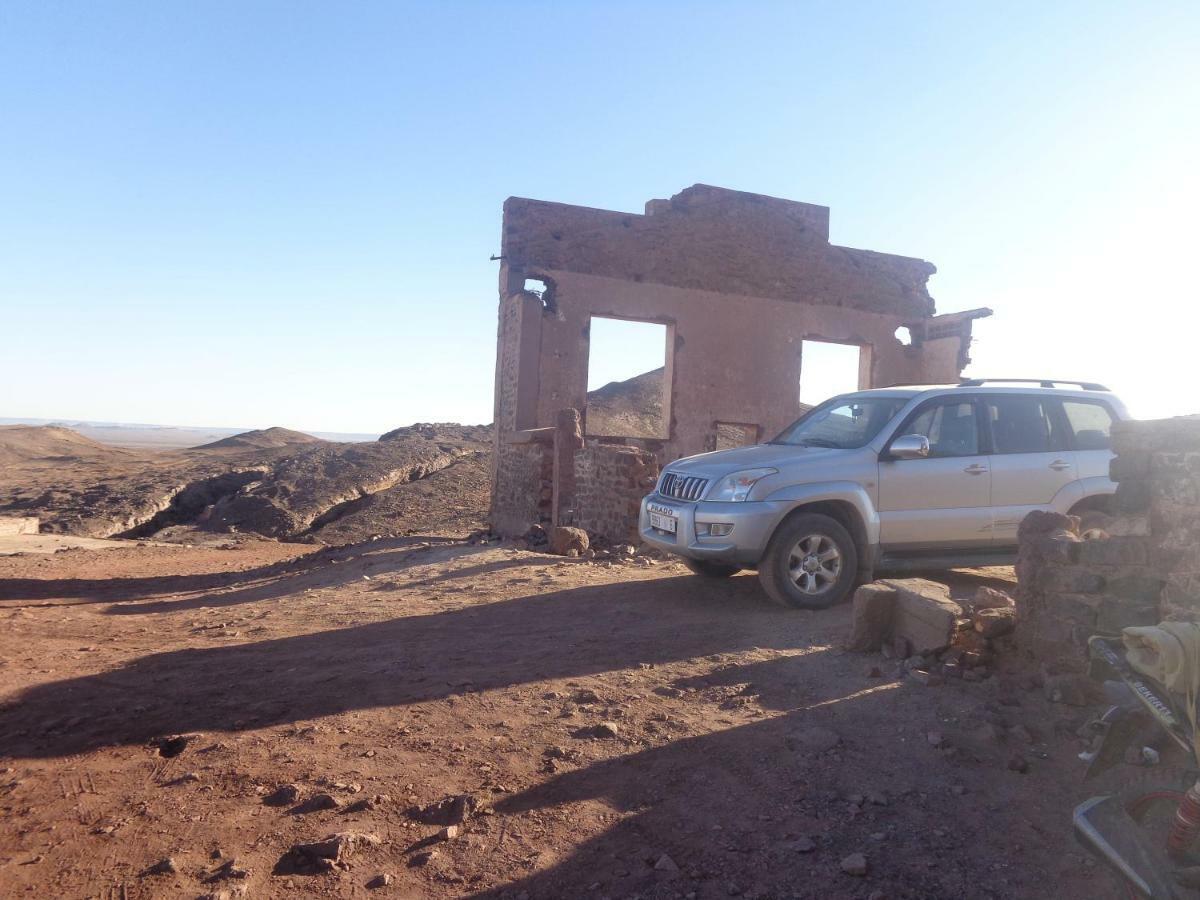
810,563
710,569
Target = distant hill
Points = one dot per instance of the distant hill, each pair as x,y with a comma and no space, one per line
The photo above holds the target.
262,439
24,443
630,408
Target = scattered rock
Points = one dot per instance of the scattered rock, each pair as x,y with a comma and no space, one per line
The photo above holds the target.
990,598
453,810
855,864
816,739
666,864
317,802
996,622
804,845
449,833
284,795
174,745
422,859
331,852
383,879
935,738
162,867
1018,763
605,730
564,539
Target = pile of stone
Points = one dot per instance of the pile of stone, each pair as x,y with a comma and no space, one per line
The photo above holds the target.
931,636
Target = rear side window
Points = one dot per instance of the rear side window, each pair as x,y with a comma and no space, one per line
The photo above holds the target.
1091,424
951,428
1024,424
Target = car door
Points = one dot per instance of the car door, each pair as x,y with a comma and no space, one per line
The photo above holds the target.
1032,464
1090,422
942,500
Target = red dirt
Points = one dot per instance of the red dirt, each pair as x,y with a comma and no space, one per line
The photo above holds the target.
421,669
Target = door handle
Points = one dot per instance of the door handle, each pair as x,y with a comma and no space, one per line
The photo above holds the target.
1059,464
975,469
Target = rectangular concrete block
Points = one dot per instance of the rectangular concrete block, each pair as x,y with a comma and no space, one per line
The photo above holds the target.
19,525
923,614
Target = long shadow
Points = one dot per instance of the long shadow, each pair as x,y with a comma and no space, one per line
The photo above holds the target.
334,577
396,662
391,554
732,809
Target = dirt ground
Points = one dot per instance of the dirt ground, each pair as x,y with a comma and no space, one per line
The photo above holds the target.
382,678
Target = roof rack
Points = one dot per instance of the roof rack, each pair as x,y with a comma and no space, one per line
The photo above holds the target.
1042,382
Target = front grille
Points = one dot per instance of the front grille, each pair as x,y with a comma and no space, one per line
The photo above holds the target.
683,487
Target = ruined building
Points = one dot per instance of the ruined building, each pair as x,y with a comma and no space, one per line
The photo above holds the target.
739,283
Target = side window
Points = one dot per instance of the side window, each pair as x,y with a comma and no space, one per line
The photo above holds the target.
1091,424
951,428
1024,424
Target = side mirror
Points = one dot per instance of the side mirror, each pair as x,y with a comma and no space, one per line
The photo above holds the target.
909,446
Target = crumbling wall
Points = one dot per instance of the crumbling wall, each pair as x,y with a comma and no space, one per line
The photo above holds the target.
610,482
738,280
1141,567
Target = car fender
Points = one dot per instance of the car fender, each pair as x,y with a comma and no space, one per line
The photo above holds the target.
796,495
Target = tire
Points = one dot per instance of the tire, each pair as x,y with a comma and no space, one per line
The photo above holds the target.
797,570
1151,796
710,569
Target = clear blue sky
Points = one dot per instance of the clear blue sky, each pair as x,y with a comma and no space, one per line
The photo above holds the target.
253,213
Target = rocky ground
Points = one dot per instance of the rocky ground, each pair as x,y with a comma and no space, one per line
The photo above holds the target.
427,717
274,483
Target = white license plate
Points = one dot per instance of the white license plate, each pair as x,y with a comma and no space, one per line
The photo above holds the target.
662,522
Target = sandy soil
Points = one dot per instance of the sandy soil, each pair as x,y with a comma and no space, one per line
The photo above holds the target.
400,672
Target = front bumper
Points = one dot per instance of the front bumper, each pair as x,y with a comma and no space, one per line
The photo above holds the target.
753,524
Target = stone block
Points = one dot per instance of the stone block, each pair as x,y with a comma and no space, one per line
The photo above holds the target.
1135,588
1132,497
1113,615
1069,580
924,614
1113,551
871,624
1129,466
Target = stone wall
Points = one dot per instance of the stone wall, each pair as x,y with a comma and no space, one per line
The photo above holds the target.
524,498
610,482
1141,567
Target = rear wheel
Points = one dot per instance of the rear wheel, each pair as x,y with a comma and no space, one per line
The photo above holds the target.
810,563
710,569
1151,798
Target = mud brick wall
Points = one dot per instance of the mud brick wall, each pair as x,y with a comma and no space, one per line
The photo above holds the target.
1142,567
610,482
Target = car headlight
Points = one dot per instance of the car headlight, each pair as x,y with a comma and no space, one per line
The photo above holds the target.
736,487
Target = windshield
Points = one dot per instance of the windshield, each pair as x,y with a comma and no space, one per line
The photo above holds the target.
843,423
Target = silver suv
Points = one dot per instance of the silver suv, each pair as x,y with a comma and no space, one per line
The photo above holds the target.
896,479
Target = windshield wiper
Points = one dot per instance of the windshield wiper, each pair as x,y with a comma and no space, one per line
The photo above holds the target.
820,442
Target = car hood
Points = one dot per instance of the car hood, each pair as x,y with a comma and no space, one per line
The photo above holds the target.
725,462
